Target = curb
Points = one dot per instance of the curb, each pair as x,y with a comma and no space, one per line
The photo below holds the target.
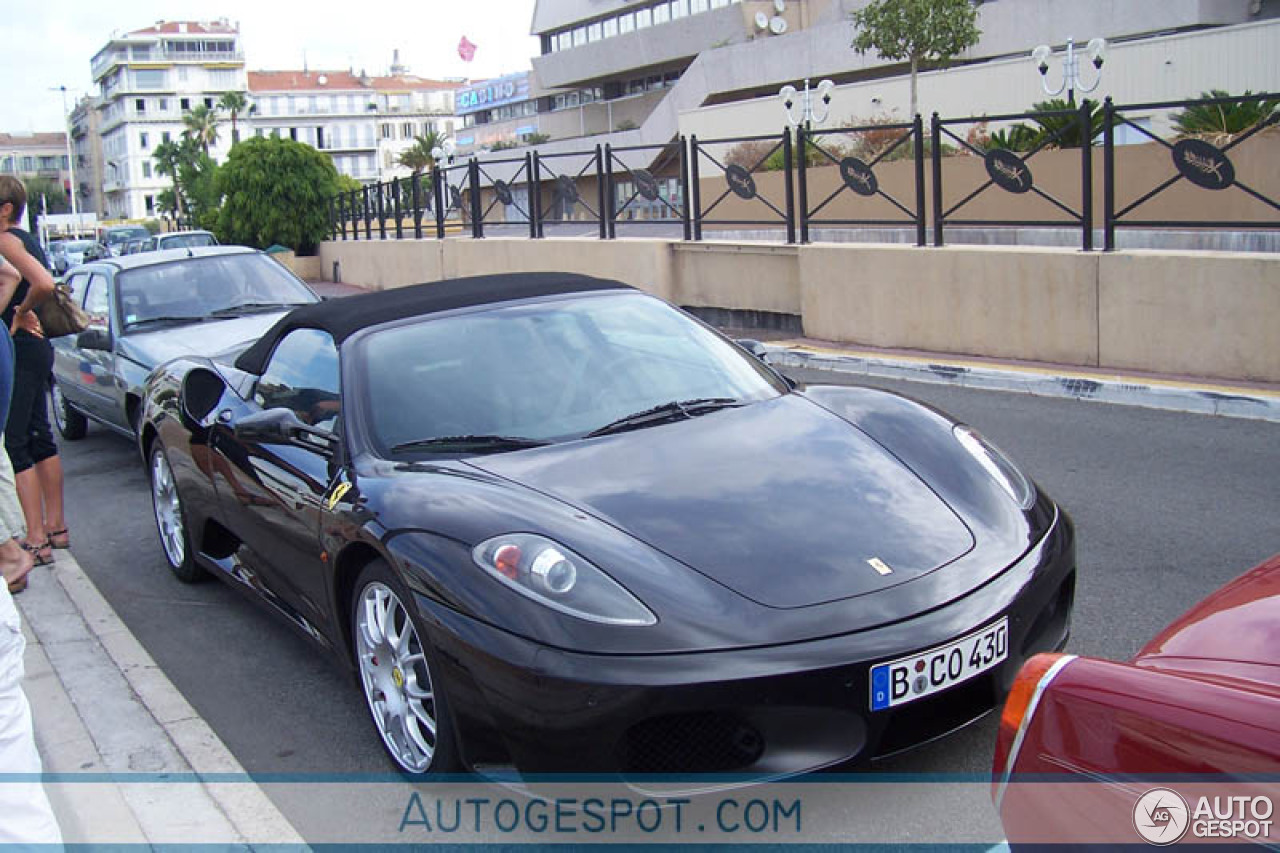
104,711
1206,399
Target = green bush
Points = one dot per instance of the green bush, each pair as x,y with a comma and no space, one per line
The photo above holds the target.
1229,118
275,191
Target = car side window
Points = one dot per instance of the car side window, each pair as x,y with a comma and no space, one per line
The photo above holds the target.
302,375
77,284
97,303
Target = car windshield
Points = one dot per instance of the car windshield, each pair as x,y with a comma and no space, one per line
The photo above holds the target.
186,241
123,235
195,288
77,245
547,371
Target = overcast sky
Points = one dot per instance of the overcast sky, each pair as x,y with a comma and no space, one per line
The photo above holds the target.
49,43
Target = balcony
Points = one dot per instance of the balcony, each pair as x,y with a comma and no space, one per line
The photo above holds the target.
105,62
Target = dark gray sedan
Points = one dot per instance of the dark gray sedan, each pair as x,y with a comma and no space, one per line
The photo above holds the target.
146,309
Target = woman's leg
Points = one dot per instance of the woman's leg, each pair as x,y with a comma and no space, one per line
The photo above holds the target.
28,391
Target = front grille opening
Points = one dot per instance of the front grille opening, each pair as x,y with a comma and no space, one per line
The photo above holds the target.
702,742
1050,628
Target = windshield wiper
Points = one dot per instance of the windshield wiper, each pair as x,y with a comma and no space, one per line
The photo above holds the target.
249,307
147,321
675,410
485,443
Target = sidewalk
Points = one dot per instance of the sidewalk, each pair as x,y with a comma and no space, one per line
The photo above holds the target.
129,758
124,750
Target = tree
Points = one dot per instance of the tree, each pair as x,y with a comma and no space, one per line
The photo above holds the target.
418,156
46,195
932,31
202,126
275,191
235,103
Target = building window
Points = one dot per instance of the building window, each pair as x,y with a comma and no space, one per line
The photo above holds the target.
149,78
593,32
661,13
320,138
144,141
610,27
293,134
165,136
164,105
150,201
644,18
679,9
208,103
698,6
579,36
140,105
406,130
565,40
185,104
626,22
146,168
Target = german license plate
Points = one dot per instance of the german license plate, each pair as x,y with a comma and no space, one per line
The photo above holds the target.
908,679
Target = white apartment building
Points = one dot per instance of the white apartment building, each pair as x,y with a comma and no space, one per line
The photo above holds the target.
362,122
150,79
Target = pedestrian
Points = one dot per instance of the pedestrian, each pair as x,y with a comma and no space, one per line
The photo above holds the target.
27,434
15,563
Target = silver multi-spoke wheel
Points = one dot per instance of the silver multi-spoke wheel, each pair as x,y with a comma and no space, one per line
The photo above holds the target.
168,508
396,678
59,412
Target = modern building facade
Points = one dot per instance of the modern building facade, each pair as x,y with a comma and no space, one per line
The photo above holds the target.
363,122
150,79
86,146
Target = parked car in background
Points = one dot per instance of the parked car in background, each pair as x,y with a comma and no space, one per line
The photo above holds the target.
1201,701
116,236
180,240
133,247
148,308
66,254
557,524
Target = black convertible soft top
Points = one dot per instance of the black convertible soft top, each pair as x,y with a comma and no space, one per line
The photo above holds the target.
342,318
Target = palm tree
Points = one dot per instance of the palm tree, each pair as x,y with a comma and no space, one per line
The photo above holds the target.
235,103
418,156
202,126
167,156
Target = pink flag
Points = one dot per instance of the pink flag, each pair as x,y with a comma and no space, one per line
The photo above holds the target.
466,50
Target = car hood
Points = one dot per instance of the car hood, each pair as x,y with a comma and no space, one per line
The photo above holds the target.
150,348
780,501
1233,632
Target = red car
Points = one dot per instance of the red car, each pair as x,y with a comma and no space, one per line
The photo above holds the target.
1181,741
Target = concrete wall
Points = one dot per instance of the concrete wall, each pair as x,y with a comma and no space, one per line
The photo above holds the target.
1196,313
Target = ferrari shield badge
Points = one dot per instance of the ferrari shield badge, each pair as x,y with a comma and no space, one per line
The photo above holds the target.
336,495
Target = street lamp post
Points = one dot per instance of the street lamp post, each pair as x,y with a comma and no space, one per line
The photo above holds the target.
809,113
444,151
1071,78
71,162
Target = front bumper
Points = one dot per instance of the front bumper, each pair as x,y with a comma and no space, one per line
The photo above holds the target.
756,712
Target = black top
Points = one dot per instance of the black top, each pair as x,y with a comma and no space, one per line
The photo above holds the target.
342,318
32,246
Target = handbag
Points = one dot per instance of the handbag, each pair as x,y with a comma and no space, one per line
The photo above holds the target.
60,315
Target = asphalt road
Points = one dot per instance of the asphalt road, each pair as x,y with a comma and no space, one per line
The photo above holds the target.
1168,507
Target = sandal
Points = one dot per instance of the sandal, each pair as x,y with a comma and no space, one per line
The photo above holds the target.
42,553
17,586
59,539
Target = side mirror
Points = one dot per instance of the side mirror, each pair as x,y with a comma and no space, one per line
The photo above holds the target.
96,339
201,392
754,347
282,426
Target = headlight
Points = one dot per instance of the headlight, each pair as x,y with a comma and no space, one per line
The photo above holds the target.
552,575
995,463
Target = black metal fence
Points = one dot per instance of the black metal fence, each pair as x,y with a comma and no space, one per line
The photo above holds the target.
774,179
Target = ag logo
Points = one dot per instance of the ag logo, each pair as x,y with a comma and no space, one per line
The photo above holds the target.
646,184
740,181
502,190
1008,171
1161,816
566,189
1203,164
455,198
858,176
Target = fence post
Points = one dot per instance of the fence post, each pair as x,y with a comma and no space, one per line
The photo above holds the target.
1086,172
936,136
417,205
608,192
917,128
396,208
437,190
354,214
535,194
697,192
531,181
802,147
600,193
787,164
684,190
382,212
477,211
1108,175
368,222
342,214
333,220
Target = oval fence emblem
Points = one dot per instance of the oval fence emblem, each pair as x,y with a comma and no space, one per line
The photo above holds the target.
740,181
567,189
502,190
455,198
858,176
1008,171
1203,164
646,184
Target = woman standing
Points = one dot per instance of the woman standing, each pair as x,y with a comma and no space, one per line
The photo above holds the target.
28,436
